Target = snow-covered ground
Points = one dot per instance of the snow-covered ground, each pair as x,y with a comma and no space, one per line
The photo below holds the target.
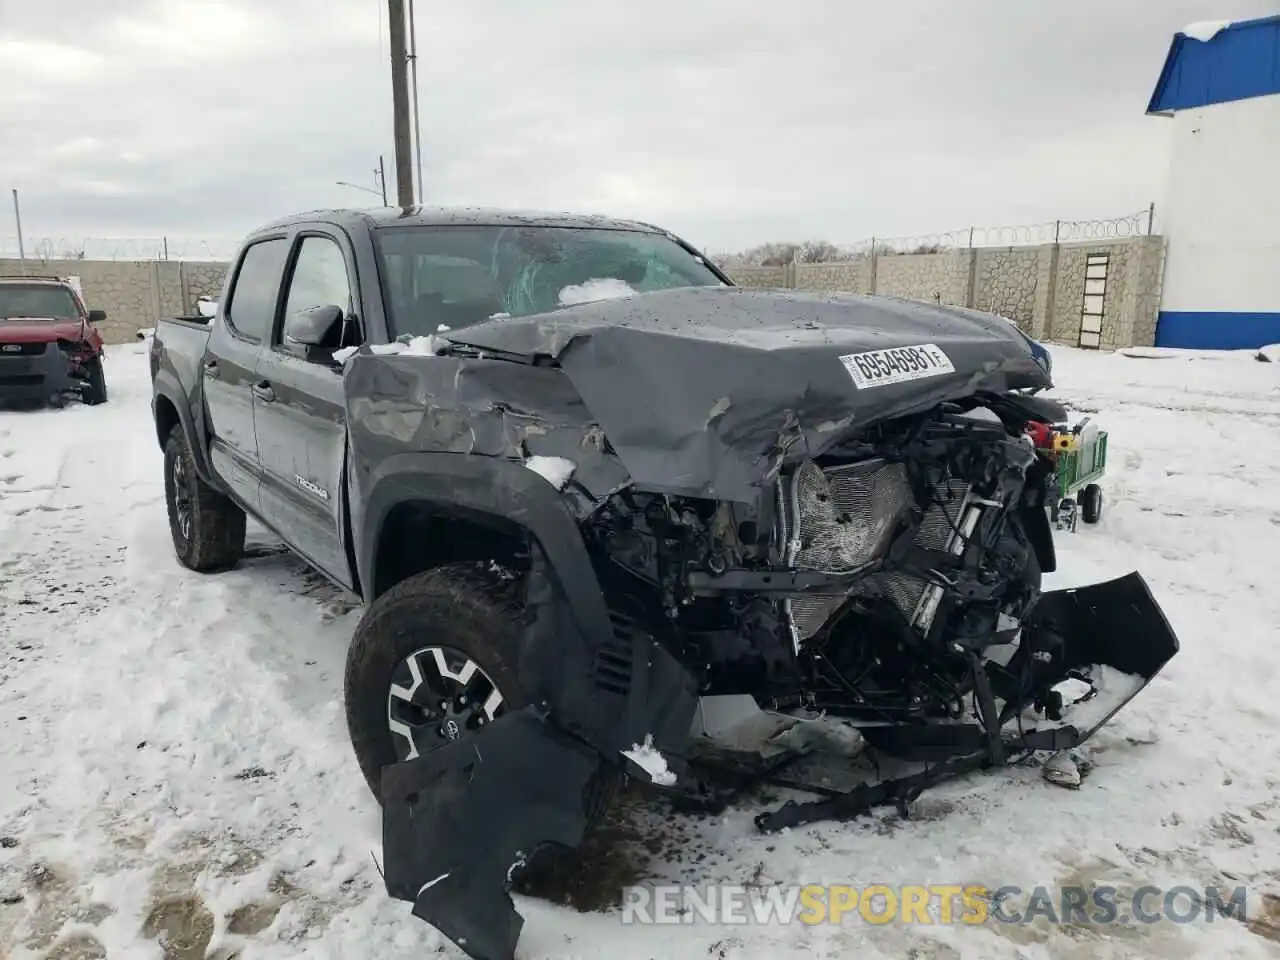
174,764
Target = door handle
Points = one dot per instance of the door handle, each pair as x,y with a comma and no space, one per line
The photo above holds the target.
211,368
262,390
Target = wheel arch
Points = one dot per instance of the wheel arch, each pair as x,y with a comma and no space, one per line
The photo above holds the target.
571,638
503,505
170,408
420,534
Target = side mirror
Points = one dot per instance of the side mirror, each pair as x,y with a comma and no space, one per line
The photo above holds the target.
316,327
97,316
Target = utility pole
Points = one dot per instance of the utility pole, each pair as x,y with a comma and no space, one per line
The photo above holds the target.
17,217
382,179
417,115
400,103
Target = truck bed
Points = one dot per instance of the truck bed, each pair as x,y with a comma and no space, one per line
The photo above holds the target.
192,321
178,349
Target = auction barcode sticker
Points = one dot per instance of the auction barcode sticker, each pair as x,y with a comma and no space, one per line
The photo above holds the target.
877,368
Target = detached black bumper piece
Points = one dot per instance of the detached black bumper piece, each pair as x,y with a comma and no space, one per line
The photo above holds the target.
34,371
1113,634
458,820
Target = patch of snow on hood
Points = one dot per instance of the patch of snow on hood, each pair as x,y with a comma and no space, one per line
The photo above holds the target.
1269,354
1205,30
428,346
555,470
647,758
606,288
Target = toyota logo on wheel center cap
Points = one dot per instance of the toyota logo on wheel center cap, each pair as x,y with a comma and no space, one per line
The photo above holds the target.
451,729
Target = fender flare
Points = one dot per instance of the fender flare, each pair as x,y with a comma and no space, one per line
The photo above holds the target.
659,695
486,485
166,386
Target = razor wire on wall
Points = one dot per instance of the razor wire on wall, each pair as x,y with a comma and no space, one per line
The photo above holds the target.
1016,235
1122,227
119,248
1023,235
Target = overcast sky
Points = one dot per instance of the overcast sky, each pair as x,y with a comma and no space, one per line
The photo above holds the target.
731,122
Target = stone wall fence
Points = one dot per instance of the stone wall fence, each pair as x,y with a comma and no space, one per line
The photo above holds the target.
1093,294
134,293
1056,292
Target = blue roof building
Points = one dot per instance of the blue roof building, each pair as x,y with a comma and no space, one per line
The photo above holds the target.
1220,85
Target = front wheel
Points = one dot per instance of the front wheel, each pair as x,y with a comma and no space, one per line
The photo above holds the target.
1091,503
95,389
433,660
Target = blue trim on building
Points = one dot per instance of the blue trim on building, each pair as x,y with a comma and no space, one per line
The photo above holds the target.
1214,330
1240,62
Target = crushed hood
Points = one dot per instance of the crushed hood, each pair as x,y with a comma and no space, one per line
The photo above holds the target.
707,391
36,330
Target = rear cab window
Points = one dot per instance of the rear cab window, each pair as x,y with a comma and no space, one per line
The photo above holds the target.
251,306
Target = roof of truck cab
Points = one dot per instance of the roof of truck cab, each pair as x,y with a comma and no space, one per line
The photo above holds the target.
377,217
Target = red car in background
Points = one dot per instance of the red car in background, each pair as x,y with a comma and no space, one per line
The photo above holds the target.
49,348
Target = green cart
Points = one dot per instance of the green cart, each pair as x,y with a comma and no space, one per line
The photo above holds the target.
1081,456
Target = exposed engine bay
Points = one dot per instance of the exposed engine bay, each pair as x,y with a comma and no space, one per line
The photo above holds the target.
906,554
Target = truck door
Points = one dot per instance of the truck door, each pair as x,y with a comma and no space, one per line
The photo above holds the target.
230,364
300,413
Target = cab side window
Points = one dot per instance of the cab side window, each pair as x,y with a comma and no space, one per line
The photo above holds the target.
320,280
257,285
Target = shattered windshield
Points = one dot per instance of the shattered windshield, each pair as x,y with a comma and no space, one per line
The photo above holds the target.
452,277
37,301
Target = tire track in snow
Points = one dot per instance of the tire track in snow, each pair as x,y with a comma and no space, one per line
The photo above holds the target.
180,791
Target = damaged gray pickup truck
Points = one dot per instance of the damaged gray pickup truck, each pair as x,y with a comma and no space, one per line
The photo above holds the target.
611,515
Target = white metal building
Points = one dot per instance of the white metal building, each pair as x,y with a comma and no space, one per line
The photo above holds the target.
1221,87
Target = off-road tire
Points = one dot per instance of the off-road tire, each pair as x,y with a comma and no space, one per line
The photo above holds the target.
1091,503
466,606
217,525
96,390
